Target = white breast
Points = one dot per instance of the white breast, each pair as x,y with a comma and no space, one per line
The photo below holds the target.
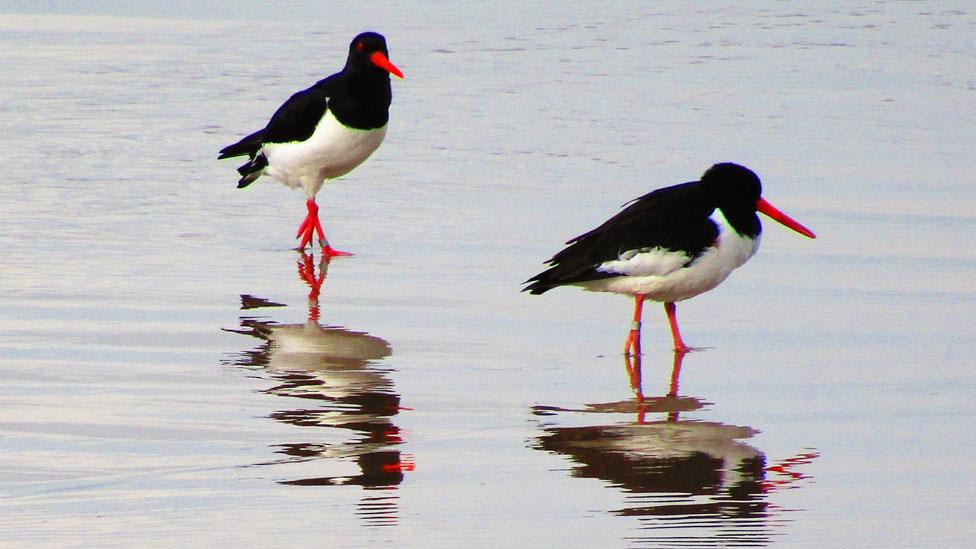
661,275
332,150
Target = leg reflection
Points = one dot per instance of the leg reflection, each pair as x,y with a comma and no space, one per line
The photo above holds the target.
338,399
690,479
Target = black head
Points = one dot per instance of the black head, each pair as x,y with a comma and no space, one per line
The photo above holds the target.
368,55
732,185
737,192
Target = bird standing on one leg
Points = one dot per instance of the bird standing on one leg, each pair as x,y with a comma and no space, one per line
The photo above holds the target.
669,245
324,131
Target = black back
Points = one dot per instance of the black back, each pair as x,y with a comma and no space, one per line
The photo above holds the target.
675,218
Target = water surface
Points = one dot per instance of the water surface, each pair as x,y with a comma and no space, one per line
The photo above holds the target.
173,373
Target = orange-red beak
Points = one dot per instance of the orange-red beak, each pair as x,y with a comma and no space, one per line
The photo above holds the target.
766,208
382,62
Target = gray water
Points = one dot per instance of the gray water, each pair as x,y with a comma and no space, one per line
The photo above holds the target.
166,379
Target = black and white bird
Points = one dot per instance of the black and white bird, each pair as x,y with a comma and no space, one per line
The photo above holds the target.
669,245
324,131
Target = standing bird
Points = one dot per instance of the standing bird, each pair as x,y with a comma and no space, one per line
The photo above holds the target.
669,245
324,131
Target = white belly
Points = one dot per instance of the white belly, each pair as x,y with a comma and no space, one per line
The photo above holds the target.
332,150
678,283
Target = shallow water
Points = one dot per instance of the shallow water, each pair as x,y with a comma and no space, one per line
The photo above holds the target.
169,374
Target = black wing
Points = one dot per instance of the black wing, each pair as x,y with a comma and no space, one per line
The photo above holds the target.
673,218
295,120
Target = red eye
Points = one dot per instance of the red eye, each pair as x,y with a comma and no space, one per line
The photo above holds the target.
359,46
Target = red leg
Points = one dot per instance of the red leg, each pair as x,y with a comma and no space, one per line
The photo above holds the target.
632,344
679,345
307,228
312,226
327,250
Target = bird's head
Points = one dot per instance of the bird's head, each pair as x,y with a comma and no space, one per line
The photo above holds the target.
738,189
732,184
367,52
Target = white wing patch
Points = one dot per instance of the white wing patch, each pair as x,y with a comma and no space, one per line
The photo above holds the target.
666,275
646,262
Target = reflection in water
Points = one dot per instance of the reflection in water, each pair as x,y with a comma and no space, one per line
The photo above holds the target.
331,378
687,482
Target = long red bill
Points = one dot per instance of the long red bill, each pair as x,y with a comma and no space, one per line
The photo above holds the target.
764,207
382,62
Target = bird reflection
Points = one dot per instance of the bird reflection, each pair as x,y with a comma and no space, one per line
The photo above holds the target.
686,481
337,372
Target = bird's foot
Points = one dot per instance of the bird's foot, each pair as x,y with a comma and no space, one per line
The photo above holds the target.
330,252
311,227
682,349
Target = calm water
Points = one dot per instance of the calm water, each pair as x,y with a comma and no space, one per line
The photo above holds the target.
172,373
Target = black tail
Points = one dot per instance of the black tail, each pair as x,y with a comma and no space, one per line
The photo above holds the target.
540,283
251,170
249,146
566,269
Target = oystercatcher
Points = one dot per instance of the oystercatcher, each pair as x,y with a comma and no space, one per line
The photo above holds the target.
669,245
324,131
